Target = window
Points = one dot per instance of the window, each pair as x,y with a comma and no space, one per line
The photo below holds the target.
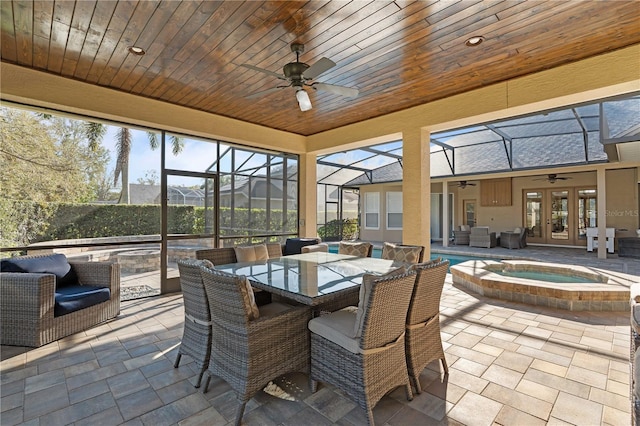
371,210
394,210
587,211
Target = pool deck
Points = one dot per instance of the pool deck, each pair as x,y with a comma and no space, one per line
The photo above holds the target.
509,364
558,255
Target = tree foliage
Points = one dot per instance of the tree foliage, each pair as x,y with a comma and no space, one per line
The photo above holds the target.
47,158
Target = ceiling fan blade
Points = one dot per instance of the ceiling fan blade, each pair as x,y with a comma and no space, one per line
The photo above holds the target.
323,64
264,92
271,73
348,92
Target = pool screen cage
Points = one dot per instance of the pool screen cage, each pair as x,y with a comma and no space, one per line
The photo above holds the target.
597,132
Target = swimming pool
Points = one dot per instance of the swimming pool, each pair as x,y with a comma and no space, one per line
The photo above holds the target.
453,259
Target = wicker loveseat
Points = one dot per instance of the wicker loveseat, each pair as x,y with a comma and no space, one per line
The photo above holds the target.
29,314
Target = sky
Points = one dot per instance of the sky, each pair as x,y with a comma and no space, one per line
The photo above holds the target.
196,156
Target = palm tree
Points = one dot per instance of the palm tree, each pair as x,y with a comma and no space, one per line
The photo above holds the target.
95,132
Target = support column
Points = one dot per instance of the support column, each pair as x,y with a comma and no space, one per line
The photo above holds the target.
416,189
446,231
307,204
601,189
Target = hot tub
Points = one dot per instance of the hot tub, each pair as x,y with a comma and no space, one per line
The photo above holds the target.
569,287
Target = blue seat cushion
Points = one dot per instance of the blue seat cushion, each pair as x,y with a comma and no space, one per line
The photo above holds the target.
294,245
72,298
55,264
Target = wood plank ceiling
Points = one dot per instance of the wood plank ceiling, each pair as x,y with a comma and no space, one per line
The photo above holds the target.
397,54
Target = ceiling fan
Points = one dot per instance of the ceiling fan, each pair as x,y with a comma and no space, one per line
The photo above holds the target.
552,178
298,75
463,184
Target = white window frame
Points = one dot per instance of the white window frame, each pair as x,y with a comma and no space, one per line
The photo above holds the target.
394,206
372,207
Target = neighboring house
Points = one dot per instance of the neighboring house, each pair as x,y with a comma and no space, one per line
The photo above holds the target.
253,192
177,195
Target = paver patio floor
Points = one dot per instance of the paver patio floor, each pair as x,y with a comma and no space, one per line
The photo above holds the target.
510,364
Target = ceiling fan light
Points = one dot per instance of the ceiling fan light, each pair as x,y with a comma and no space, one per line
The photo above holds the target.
303,100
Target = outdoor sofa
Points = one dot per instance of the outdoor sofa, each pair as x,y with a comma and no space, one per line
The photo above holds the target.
45,298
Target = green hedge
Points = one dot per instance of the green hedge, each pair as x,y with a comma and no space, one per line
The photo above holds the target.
25,222
331,231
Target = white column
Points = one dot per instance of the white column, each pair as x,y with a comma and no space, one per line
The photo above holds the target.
445,214
602,212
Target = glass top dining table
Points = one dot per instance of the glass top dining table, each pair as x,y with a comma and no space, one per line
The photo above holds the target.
311,278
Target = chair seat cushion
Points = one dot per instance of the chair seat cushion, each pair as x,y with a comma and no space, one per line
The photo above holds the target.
55,264
338,327
72,298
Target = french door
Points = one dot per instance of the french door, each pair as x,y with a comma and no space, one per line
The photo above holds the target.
550,216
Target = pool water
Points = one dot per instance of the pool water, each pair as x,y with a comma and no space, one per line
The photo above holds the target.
453,259
546,276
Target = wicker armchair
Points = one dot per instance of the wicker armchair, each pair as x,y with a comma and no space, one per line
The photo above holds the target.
366,367
196,337
461,236
27,303
514,239
248,353
423,340
481,237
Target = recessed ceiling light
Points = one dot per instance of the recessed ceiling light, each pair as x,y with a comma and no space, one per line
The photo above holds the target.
474,41
136,50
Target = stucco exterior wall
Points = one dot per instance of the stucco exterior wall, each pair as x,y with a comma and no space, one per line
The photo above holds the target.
622,199
381,234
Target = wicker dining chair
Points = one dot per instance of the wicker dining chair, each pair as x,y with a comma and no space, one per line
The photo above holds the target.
365,358
248,353
361,249
227,255
196,337
402,253
423,340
